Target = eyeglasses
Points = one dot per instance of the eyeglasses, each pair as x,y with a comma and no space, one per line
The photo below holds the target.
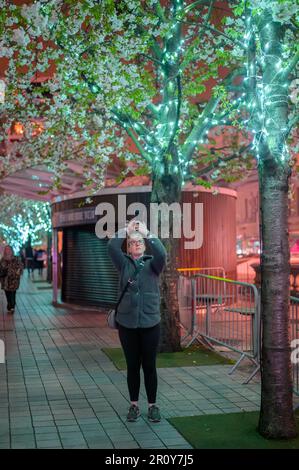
136,242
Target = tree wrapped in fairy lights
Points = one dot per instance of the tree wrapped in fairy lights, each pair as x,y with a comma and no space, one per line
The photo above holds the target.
117,71
21,219
270,113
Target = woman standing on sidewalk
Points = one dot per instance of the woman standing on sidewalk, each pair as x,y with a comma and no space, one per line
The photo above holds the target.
10,272
138,314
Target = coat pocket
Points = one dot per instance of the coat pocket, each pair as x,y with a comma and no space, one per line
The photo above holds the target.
151,302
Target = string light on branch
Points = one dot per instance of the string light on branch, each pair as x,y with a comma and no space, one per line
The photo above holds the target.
2,91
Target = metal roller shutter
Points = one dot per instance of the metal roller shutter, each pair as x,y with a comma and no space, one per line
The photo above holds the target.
89,277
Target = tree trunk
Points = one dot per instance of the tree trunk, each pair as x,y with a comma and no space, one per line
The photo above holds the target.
276,414
167,189
49,257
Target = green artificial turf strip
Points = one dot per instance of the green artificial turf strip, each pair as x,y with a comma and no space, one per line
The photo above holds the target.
228,431
193,356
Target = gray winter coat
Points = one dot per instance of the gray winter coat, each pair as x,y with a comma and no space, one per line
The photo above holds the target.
140,306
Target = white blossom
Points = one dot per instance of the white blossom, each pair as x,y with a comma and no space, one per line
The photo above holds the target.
20,37
6,51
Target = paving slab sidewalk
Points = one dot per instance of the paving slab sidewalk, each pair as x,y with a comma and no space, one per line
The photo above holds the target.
59,390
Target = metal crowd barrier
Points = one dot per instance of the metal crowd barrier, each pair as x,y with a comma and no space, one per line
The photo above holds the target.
216,310
294,334
186,297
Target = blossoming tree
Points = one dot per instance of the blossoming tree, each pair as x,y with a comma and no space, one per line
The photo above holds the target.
268,37
272,113
118,69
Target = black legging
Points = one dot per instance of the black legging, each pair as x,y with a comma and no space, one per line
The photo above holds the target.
140,347
11,299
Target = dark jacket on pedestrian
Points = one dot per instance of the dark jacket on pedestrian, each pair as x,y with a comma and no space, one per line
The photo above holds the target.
29,252
10,273
140,306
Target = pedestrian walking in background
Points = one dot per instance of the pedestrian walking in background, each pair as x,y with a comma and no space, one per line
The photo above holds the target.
39,258
138,314
29,257
22,257
10,272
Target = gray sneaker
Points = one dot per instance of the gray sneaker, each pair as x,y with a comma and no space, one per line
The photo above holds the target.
133,413
154,414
